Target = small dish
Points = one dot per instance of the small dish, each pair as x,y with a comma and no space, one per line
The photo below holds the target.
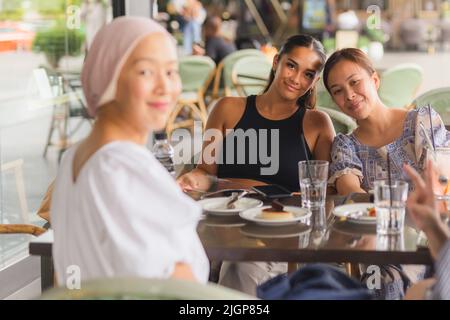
223,221
356,213
290,231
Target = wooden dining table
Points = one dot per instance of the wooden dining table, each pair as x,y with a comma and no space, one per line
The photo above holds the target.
323,238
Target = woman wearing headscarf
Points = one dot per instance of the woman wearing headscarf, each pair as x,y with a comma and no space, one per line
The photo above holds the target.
115,210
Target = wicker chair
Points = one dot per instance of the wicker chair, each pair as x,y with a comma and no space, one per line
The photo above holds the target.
196,74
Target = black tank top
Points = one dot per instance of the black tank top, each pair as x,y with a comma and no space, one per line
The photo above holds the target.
291,148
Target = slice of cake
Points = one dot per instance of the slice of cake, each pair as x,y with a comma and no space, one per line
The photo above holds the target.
271,214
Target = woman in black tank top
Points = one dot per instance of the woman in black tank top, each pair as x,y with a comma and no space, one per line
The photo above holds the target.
291,149
262,138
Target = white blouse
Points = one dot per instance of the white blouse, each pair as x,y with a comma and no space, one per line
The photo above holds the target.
124,216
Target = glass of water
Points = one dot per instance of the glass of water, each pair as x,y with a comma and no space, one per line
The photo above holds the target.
313,177
390,202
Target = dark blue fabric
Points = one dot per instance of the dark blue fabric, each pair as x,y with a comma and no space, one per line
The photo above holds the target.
313,282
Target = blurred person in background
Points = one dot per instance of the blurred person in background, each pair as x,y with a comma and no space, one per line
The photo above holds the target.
94,14
216,46
192,14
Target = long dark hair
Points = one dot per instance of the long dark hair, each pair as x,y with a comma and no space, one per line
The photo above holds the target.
302,40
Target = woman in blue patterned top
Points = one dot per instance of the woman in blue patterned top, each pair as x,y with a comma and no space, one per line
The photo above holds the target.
360,158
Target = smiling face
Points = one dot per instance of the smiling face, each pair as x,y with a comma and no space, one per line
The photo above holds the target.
353,89
296,72
149,84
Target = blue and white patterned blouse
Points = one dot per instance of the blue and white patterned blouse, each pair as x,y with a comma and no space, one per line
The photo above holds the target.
348,155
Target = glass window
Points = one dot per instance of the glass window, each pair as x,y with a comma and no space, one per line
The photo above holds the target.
42,111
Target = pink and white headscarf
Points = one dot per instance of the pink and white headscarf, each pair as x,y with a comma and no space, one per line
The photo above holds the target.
108,53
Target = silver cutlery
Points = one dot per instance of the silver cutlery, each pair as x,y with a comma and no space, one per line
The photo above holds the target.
235,196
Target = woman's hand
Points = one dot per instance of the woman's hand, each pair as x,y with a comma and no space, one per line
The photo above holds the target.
418,290
188,182
422,209
421,203
196,180
183,271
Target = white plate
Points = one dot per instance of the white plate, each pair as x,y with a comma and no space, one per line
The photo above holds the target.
216,206
346,209
291,231
300,215
223,221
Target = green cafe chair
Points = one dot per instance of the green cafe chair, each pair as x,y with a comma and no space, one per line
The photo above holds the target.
196,73
439,99
341,122
323,98
224,70
144,289
250,75
399,84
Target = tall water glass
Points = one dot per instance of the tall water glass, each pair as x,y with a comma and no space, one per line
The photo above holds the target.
313,177
390,202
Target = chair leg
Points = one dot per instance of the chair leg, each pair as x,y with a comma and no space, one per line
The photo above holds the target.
172,117
202,106
194,111
50,133
20,186
352,270
292,267
16,165
65,136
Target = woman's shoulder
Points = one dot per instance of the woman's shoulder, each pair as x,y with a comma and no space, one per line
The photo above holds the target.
317,115
423,116
228,110
117,156
227,104
423,113
123,166
318,119
344,139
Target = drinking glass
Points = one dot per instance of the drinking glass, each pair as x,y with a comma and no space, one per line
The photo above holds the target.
390,202
313,176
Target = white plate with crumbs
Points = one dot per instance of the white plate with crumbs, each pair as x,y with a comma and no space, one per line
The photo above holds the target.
363,213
